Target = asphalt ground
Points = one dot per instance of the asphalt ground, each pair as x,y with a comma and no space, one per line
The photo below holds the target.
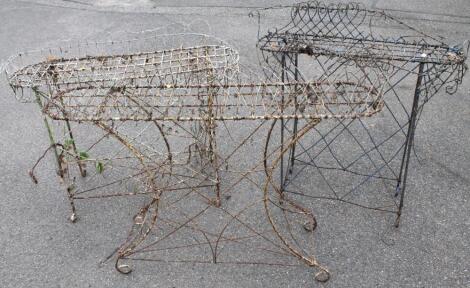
40,248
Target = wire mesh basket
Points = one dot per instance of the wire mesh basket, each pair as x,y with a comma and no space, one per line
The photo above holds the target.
232,100
139,60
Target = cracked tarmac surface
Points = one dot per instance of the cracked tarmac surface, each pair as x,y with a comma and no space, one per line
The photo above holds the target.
40,248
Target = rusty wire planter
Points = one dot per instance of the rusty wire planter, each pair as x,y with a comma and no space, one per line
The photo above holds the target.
215,106
36,76
164,125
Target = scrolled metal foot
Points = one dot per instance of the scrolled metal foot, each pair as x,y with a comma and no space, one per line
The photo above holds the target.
122,268
310,225
215,202
397,221
322,276
73,218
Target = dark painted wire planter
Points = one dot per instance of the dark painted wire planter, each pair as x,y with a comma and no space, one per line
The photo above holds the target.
321,41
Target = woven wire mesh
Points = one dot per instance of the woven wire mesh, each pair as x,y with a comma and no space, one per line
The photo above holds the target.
129,60
231,101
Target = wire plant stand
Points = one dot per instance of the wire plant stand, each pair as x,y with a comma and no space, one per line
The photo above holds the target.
329,41
36,76
165,124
